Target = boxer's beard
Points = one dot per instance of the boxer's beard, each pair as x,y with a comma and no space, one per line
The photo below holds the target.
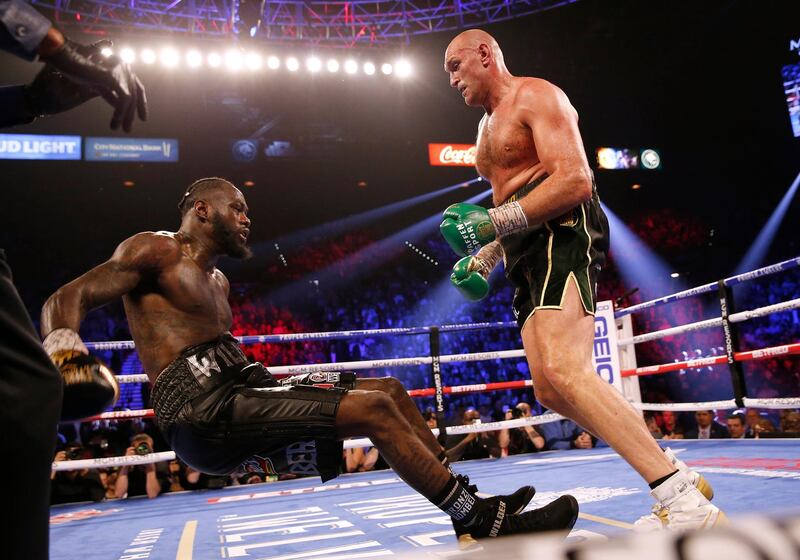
229,240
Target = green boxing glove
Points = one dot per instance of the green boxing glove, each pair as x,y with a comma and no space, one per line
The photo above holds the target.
468,279
467,227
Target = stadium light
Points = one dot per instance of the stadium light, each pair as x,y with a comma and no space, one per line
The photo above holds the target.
148,56
194,59
234,60
253,61
127,55
403,68
313,64
169,57
214,60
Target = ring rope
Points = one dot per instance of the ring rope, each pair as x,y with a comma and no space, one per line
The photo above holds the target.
712,286
414,393
685,407
715,322
396,362
663,333
130,460
773,403
761,311
327,335
760,354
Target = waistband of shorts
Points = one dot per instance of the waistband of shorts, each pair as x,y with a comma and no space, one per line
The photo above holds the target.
524,190
176,384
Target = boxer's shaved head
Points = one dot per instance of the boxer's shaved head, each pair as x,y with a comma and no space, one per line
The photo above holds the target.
475,64
473,39
202,188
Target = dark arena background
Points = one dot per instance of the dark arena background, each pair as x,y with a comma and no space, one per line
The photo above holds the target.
690,118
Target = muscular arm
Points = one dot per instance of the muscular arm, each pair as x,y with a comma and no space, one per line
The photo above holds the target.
134,258
553,121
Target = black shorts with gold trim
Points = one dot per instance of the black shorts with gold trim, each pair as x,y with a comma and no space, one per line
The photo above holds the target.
221,414
540,261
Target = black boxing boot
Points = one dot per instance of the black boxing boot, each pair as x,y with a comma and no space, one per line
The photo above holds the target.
513,504
558,515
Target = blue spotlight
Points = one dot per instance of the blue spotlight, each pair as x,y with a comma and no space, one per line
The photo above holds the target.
639,265
349,223
375,254
449,303
758,250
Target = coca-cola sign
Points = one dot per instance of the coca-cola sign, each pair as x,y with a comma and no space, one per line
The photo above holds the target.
452,154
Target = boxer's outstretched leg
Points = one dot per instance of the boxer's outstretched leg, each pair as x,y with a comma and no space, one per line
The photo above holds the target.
559,348
375,414
406,406
515,502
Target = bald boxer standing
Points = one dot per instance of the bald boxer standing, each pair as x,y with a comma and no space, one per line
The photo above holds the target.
218,412
548,226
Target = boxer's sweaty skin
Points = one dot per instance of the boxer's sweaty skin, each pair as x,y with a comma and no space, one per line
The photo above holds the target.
174,295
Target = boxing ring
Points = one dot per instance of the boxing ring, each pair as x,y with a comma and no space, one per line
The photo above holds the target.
374,514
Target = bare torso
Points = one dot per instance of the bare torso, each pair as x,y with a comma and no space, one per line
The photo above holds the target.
506,153
176,306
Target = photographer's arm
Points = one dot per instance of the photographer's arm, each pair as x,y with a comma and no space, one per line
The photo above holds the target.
152,484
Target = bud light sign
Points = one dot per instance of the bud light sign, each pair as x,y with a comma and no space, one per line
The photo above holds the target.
37,146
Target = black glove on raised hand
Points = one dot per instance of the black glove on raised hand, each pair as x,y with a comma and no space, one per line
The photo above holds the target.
109,77
51,92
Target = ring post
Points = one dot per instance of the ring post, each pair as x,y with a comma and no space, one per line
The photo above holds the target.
436,373
730,333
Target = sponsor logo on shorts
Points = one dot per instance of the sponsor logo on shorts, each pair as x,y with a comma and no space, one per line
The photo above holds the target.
258,464
204,365
324,377
301,457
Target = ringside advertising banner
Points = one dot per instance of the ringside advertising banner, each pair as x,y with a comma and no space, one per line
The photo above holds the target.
39,146
131,149
461,155
605,356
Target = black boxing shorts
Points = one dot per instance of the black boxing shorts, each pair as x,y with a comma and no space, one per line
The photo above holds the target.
221,414
540,261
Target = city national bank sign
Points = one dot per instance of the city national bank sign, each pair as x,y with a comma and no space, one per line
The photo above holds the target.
43,147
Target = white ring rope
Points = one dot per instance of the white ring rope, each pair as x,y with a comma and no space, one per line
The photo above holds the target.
710,287
708,323
685,407
395,362
105,462
761,311
655,335
773,403
130,460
